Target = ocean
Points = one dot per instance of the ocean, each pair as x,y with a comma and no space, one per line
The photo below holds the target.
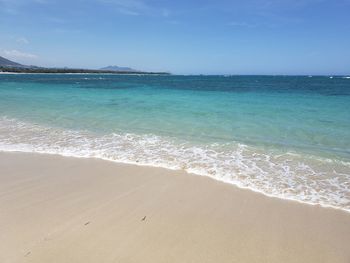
284,136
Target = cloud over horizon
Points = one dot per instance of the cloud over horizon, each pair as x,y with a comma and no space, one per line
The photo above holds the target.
16,54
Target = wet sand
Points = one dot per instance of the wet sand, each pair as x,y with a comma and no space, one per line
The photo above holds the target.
60,209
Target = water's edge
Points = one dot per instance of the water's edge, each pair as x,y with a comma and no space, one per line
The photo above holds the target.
189,173
285,176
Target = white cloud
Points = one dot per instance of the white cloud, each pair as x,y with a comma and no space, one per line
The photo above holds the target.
56,20
128,7
13,7
135,4
241,24
135,7
18,2
16,54
41,1
173,22
165,12
22,40
129,12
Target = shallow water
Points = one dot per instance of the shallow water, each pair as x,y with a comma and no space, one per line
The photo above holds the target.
285,136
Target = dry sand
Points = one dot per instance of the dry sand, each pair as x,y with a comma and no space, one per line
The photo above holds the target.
57,209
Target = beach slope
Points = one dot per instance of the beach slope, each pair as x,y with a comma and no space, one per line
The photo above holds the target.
59,209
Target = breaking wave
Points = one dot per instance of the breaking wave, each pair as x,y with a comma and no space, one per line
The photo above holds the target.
292,176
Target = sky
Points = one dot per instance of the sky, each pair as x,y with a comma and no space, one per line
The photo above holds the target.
181,37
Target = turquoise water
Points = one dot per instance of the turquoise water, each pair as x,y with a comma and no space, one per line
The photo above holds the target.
285,136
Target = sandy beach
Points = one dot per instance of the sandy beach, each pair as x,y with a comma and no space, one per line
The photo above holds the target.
59,209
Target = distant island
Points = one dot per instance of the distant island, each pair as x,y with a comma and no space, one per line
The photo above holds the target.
117,68
7,65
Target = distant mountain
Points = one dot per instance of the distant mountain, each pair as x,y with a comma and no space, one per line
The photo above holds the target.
116,68
8,63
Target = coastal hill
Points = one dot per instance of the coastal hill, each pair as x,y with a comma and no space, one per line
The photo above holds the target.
7,65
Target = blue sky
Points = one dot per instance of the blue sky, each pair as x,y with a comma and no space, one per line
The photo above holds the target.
184,37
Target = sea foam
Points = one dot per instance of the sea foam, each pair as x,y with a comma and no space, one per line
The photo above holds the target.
291,176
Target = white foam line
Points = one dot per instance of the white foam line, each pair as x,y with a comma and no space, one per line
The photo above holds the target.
236,184
242,166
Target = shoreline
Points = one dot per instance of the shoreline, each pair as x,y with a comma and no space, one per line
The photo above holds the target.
233,184
67,209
